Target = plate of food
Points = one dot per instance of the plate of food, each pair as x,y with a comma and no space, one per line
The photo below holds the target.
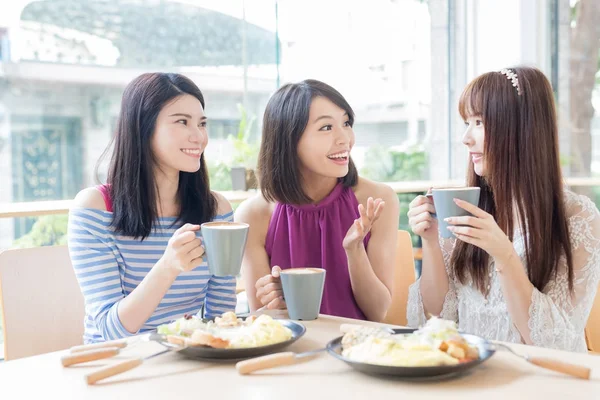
437,349
228,336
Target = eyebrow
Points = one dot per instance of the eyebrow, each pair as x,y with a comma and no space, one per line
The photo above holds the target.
327,116
186,115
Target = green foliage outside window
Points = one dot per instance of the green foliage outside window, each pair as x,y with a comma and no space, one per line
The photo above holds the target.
390,165
48,230
383,164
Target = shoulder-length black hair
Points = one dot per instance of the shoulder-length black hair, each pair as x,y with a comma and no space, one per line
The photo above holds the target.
131,181
284,121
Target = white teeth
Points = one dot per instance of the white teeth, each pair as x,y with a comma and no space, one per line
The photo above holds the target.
339,155
191,151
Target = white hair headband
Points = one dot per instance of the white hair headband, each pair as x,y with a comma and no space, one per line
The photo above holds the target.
512,76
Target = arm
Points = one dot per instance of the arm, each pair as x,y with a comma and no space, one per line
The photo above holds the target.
433,293
557,318
434,282
98,274
371,270
97,270
422,292
220,293
255,265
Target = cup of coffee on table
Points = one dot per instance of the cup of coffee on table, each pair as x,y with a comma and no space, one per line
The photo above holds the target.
445,207
224,244
303,291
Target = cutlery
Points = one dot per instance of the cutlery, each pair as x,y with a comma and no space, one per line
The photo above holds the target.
577,371
274,360
289,358
345,328
89,355
119,343
124,366
98,351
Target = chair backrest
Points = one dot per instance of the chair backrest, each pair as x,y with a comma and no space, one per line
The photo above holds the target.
42,305
592,330
404,276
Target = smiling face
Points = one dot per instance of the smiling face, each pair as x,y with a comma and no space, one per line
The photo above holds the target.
180,135
325,145
474,138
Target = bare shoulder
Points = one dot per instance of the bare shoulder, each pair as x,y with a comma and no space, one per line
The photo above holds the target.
223,205
89,198
367,188
254,210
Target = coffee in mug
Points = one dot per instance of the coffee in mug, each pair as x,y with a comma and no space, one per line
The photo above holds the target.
303,291
224,244
445,207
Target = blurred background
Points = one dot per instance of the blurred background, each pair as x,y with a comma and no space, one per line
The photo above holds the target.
400,63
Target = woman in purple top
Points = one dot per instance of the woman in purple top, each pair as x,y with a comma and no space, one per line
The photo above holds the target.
315,211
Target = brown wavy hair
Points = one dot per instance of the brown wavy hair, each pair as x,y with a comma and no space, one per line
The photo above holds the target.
523,175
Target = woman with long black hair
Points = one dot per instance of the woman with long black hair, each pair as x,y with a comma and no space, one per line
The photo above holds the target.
134,242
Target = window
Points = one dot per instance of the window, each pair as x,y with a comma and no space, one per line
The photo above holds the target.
401,64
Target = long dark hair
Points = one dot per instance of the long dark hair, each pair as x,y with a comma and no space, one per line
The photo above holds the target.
284,121
131,181
522,170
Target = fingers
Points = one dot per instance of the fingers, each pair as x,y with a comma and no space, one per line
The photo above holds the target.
465,231
423,217
189,246
195,262
421,227
275,271
378,210
277,304
196,252
466,220
268,282
467,239
263,281
476,211
360,229
268,298
189,254
182,239
187,228
269,290
266,289
423,208
419,200
371,212
362,212
370,207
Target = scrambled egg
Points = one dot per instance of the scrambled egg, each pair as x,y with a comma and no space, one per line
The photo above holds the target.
437,343
227,331
263,331
399,353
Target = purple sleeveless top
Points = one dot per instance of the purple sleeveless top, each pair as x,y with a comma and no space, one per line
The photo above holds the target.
311,235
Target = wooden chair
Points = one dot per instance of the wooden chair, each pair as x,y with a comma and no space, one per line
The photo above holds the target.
404,276
592,329
41,303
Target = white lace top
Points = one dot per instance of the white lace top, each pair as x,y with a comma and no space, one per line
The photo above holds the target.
557,319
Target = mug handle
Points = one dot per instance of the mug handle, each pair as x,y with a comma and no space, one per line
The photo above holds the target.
430,196
204,259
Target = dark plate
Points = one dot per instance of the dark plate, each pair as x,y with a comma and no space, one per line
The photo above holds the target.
486,350
204,353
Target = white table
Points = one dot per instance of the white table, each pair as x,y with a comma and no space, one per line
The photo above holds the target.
172,377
